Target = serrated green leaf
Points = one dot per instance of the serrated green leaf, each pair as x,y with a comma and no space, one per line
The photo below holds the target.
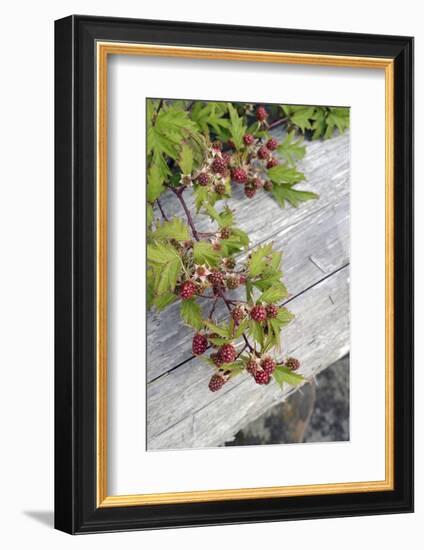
256,331
172,229
290,149
204,253
155,185
166,265
218,329
257,262
218,341
211,211
242,236
226,217
237,127
301,116
284,316
283,173
186,159
241,328
163,300
149,215
282,374
274,294
191,313
201,196
285,192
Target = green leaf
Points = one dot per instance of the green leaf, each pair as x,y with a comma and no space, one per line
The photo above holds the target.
166,266
163,300
284,316
191,313
218,341
282,374
292,150
222,330
337,117
155,185
241,328
300,115
257,262
201,196
149,215
211,211
186,159
285,192
204,253
225,217
283,173
172,229
242,236
268,280
237,127
274,294
256,331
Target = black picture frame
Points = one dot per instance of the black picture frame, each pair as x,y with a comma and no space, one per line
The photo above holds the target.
76,510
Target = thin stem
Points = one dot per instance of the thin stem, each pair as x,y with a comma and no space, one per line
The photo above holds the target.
227,303
164,216
179,194
278,123
241,351
212,311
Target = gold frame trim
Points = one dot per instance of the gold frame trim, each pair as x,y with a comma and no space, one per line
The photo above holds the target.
104,49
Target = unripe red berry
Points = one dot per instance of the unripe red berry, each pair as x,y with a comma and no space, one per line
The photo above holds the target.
232,282
216,382
272,144
271,311
292,363
250,191
252,366
239,175
268,185
261,114
248,139
238,313
272,162
226,157
220,188
257,183
242,279
225,233
216,278
262,377
227,353
199,344
187,290
263,153
268,365
203,179
218,165
258,313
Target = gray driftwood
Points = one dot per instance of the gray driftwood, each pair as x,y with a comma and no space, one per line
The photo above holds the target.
314,239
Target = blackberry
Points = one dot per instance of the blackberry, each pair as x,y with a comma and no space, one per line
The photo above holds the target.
257,183
216,278
199,344
261,377
261,113
263,153
242,279
258,313
292,363
231,144
272,144
216,382
268,185
232,282
218,165
226,157
272,162
238,313
227,353
220,188
252,366
230,263
225,233
187,290
271,311
239,175
248,139
268,365
203,179
250,191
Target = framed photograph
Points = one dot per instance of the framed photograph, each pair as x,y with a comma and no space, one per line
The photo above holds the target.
234,274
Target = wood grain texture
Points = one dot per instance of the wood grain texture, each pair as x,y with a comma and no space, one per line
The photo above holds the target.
314,238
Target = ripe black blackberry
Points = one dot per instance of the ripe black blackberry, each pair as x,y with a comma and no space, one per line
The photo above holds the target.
272,162
248,139
263,153
187,290
227,353
271,311
262,377
218,165
268,365
216,278
272,144
261,113
203,179
292,363
199,344
220,188
258,313
250,191
216,382
239,175
232,282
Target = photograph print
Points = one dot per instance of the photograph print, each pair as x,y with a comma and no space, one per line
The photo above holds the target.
247,230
